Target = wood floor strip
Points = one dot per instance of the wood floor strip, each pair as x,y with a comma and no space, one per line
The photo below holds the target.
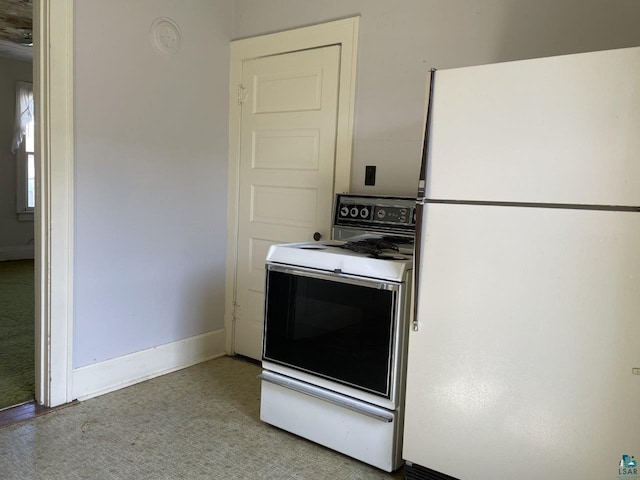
26,411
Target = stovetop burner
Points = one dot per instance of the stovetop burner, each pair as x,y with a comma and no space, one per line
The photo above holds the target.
377,247
398,240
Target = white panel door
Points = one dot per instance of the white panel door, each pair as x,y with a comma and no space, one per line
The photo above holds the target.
288,138
551,130
529,332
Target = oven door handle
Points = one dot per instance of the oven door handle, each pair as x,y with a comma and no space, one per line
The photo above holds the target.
335,276
330,397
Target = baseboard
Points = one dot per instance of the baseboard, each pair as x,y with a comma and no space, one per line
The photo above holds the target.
110,375
23,252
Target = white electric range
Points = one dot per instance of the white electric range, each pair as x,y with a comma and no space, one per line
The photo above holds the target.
336,323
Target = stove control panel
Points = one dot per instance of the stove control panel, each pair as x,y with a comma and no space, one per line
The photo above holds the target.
392,214
369,212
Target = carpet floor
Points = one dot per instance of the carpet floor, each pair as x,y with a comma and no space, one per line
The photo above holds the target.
17,324
198,423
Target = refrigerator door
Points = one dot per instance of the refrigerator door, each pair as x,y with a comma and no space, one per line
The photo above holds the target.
528,336
552,130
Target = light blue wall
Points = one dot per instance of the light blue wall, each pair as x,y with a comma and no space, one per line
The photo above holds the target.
151,175
151,133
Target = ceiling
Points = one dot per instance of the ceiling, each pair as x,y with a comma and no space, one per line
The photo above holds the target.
16,24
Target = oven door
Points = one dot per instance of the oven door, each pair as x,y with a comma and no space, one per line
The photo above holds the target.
335,326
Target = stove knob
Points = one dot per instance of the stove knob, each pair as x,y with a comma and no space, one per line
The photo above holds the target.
403,219
317,236
354,212
382,213
344,211
364,213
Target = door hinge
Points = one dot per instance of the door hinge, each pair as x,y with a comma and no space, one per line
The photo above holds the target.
242,94
234,312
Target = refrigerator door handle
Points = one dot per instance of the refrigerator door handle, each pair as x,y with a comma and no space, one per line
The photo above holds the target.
422,190
422,183
416,261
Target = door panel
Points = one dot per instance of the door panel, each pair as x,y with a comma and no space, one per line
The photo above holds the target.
294,91
287,162
528,334
284,205
555,130
290,149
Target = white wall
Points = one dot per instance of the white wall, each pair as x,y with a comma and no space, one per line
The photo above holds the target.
16,238
400,40
151,174
151,141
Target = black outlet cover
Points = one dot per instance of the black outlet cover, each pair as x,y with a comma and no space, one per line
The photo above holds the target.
370,175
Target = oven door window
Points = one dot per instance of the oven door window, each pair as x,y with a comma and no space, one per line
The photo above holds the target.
340,331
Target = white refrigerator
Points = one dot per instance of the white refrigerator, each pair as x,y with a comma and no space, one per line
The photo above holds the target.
524,359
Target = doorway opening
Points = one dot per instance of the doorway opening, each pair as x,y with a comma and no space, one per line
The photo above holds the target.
52,67
17,204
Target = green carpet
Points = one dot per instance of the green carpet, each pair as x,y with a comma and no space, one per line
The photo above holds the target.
17,324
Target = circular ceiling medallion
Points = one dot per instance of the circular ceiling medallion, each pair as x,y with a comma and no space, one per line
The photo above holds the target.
166,36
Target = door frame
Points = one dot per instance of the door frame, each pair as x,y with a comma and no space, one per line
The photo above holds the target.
54,210
340,32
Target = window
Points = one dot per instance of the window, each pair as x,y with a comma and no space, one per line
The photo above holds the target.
27,171
23,147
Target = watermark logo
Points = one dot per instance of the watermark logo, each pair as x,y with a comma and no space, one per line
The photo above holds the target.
628,468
